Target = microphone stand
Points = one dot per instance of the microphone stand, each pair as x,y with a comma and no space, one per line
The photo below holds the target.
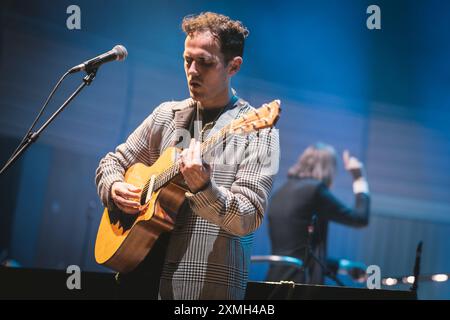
415,284
33,136
309,253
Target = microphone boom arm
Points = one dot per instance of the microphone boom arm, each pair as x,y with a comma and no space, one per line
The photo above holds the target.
33,136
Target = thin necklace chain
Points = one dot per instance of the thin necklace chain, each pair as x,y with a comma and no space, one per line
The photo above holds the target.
201,132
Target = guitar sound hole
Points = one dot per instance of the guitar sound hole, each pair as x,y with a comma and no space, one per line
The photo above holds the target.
126,221
144,196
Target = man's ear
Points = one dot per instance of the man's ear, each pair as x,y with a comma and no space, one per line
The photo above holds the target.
234,65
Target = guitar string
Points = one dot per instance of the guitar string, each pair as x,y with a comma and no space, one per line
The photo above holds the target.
162,178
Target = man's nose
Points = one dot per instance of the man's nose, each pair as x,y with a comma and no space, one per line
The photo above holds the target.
192,69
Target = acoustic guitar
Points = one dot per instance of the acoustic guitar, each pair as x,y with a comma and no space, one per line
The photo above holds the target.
124,240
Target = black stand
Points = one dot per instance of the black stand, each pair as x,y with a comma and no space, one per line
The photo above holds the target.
309,253
325,269
33,136
415,284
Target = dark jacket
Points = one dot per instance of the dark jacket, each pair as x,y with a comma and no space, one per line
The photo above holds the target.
291,211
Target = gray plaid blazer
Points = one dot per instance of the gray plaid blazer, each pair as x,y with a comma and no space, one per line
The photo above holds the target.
209,250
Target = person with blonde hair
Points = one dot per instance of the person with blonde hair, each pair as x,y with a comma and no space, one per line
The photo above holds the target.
299,212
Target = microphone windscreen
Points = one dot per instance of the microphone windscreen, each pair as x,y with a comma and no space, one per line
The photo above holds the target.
121,52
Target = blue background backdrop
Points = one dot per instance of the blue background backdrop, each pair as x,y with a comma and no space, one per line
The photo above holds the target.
383,94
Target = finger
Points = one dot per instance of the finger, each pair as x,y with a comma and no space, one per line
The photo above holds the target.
192,149
133,188
183,156
127,194
197,156
113,193
346,157
127,203
355,163
191,145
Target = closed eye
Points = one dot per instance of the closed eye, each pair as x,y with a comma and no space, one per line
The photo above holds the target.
206,63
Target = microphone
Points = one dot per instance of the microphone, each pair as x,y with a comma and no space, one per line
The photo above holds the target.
118,53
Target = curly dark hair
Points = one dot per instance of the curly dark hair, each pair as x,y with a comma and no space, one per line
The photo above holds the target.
231,34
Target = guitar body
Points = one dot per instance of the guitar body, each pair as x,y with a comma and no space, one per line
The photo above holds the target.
124,240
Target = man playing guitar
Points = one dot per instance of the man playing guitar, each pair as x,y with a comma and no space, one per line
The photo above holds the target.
208,250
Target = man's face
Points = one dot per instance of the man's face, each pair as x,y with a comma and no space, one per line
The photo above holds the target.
206,72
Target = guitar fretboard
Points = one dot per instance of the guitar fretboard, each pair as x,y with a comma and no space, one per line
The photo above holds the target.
164,177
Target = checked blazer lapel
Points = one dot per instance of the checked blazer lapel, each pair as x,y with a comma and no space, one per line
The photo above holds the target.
182,117
228,116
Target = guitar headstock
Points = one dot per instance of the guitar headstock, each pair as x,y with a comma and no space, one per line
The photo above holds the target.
264,117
